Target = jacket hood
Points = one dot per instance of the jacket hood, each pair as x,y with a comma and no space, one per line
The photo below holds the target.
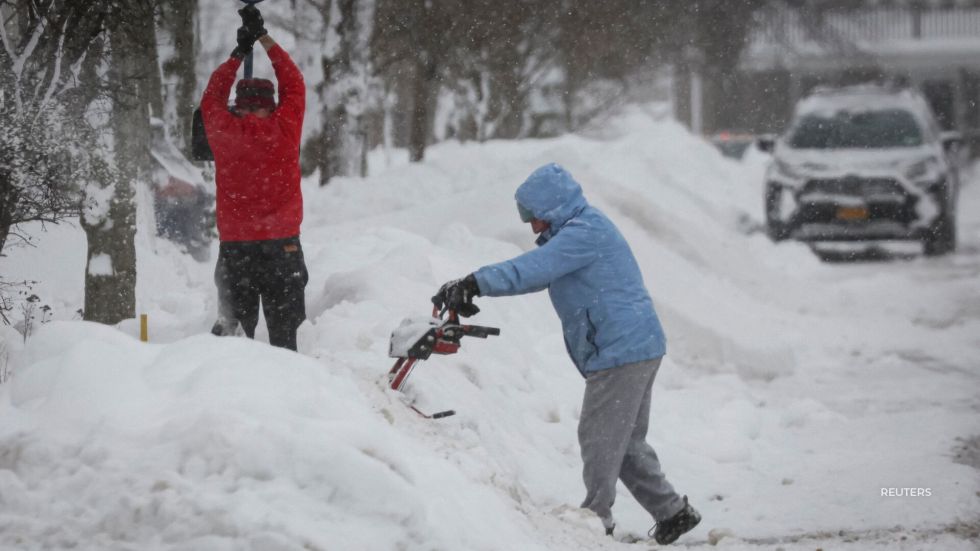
552,195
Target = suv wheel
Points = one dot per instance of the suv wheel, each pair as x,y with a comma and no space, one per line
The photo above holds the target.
775,229
941,238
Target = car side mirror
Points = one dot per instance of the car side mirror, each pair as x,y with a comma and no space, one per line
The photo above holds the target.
951,140
766,143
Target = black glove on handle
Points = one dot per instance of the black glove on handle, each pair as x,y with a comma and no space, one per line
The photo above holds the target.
457,295
245,43
253,27
252,20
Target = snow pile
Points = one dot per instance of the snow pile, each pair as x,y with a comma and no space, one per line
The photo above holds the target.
215,444
791,393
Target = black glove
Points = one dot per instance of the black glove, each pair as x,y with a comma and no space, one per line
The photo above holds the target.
457,295
245,43
252,21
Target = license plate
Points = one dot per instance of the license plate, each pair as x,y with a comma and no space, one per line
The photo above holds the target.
852,213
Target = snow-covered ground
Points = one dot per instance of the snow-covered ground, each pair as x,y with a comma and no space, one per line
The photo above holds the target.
793,392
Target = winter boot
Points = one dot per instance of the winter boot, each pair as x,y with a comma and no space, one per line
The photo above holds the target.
669,530
609,524
225,327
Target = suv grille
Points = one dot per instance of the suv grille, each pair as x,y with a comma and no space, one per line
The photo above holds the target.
866,188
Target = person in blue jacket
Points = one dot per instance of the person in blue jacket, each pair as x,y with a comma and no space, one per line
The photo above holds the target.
611,332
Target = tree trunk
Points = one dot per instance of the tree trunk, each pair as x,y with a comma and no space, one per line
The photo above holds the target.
346,90
7,199
179,24
422,94
110,272
110,275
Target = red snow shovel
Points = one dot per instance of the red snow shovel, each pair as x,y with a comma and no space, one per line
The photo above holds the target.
418,338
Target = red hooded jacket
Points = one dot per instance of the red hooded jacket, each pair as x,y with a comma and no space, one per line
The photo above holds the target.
257,159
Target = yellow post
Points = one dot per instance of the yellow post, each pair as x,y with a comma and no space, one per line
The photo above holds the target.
143,331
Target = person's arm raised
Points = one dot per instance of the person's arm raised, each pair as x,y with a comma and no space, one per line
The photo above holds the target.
292,90
214,103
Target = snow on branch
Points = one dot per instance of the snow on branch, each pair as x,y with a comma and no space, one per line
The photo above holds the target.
46,149
20,60
56,71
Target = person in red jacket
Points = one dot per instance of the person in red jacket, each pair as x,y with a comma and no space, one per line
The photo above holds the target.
259,202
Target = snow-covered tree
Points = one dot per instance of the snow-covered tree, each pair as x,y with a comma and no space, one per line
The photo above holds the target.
412,42
348,89
177,45
478,63
340,31
42,153
127,71
498,59
74,98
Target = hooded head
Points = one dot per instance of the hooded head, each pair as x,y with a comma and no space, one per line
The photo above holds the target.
550,194
255,93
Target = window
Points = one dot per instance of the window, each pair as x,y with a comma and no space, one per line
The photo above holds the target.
878,129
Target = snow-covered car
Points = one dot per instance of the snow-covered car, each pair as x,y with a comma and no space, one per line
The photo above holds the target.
183,206
732,144
863,163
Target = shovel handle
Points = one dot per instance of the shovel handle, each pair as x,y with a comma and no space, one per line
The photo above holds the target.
247,65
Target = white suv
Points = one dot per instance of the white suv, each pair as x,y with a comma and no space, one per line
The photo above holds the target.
863,163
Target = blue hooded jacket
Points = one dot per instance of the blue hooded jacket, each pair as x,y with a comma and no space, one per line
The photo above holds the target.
591,275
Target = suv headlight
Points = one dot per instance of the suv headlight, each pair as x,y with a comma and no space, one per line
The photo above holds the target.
925,171
787,171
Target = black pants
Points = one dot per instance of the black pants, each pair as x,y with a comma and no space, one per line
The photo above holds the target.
273,271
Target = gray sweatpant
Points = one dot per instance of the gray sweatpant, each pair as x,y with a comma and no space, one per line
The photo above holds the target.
612,434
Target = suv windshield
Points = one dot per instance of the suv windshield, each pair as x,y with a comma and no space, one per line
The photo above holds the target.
856,130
